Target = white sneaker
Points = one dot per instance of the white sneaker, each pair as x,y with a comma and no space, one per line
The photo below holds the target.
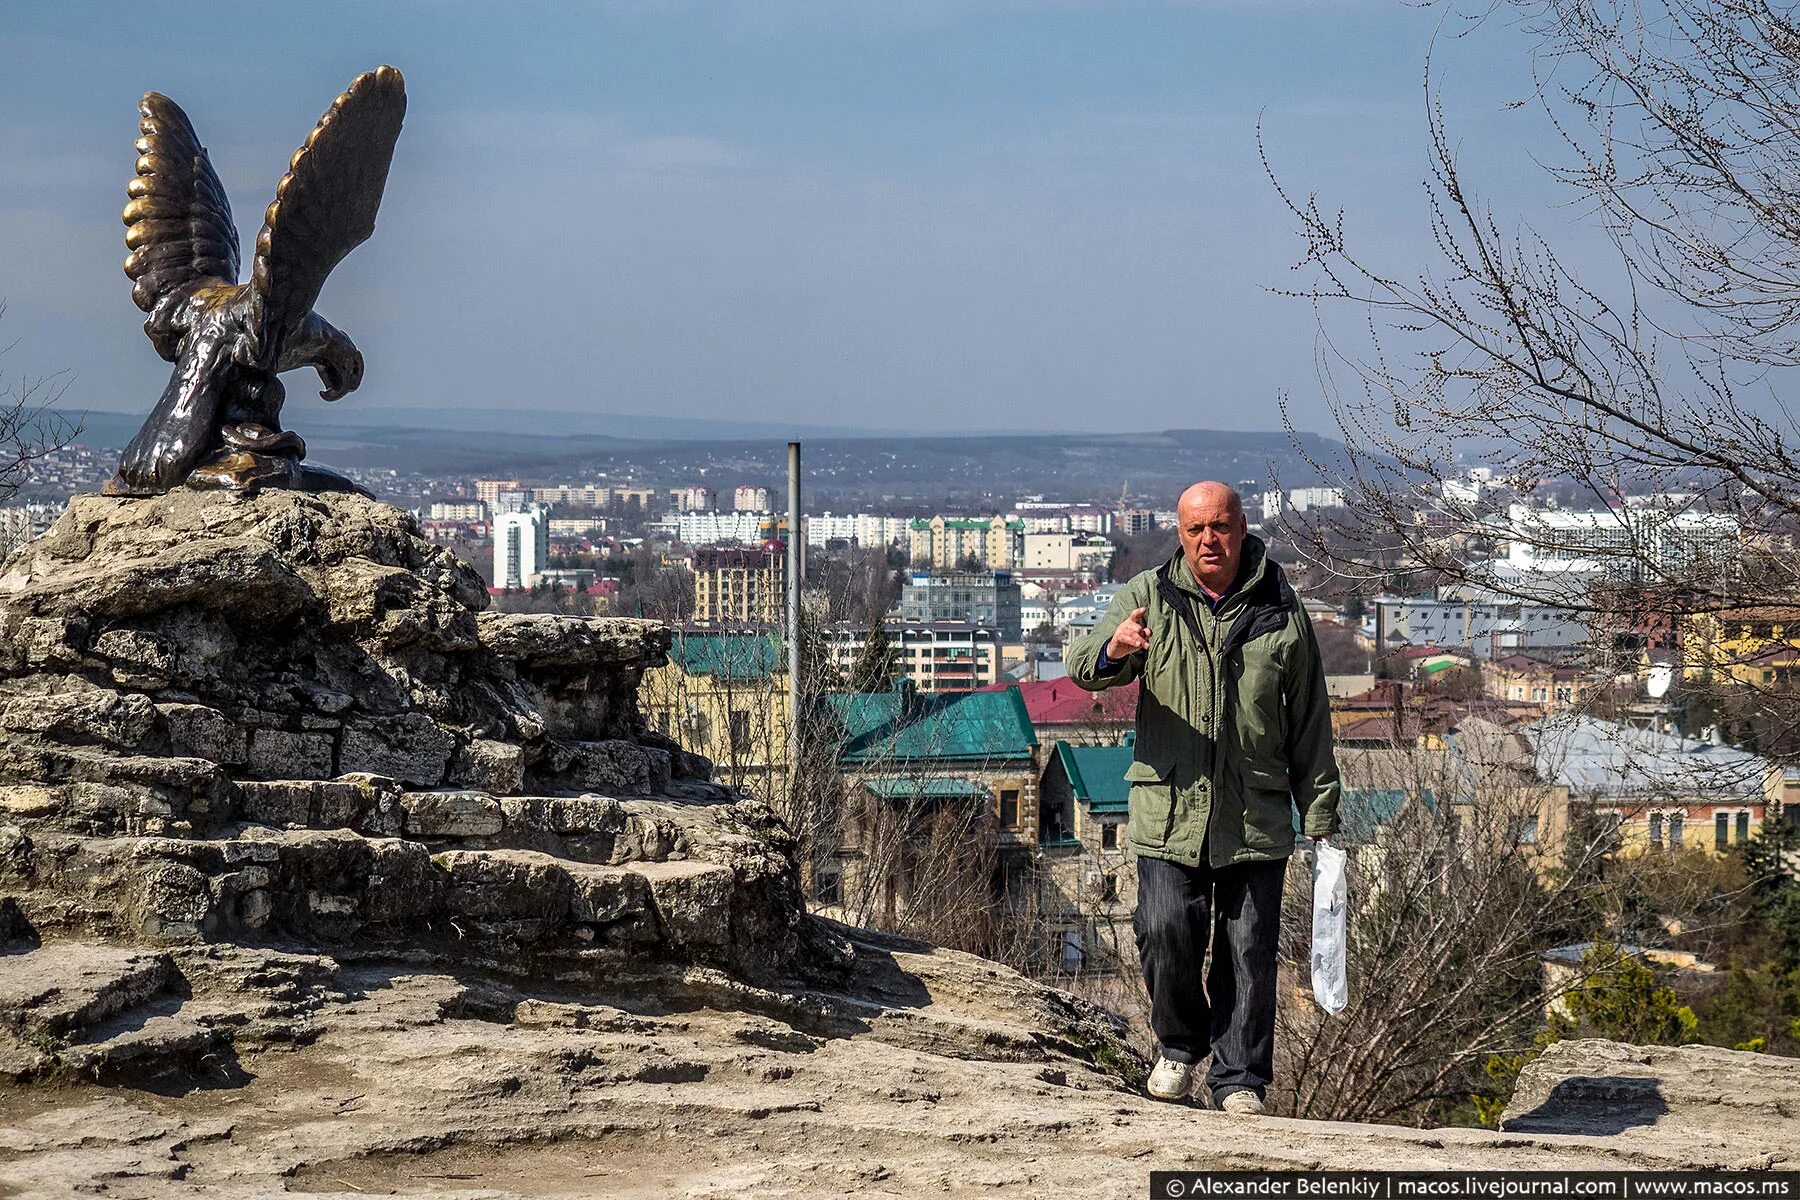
1171,1080
1243,1104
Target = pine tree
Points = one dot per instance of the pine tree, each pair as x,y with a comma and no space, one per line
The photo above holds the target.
873,670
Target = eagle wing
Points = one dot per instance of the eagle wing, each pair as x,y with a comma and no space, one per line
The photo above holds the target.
325,205
178,222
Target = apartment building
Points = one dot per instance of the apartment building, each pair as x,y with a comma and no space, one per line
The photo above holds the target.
1079,554
739,584
941,542
521,546
693,499
936,656
992,599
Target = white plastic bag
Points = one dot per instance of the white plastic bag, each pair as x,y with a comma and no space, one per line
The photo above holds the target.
1331,986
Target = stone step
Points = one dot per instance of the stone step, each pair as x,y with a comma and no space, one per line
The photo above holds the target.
586,828
65,988
335,885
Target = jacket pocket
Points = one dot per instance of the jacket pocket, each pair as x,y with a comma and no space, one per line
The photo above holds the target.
1268,808
1152,805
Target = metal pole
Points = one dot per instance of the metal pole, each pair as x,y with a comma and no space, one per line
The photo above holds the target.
796,572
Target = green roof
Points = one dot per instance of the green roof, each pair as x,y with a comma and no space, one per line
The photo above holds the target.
903,725
1097,775
1363,811
727,655
968,522
927,789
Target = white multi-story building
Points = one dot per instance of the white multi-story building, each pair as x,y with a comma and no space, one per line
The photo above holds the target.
1655,535
1304,498
1057,516
711,529
1082,553
457,510
577,526
864,529
693,500
1487,624
1090,518
514,500
938,656
19,523
751,500
521,546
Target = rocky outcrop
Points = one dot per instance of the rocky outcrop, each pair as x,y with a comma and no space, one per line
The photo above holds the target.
286,717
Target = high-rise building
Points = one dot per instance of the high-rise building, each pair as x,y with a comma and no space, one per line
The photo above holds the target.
457,510
521,546
488,490
946,656
750,499
511,501
693,499
1133,521
743,584
941,542
700,529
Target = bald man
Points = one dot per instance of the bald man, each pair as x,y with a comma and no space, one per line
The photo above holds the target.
1232,754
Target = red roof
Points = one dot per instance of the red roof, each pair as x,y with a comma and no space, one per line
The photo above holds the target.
1060,702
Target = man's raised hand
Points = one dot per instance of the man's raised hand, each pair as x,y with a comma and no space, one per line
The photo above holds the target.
1131,636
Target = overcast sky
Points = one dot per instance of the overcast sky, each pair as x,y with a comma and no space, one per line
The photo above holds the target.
898,213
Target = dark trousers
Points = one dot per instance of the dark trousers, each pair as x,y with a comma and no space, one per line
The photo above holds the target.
1238,909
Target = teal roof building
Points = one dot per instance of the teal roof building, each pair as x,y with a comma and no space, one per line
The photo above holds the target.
903,727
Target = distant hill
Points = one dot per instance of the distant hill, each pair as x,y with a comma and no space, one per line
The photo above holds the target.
844,468
381,424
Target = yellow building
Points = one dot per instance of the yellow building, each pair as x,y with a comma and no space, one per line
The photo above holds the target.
997,542
724,695
739,583
1639,790
1757,646
1523,679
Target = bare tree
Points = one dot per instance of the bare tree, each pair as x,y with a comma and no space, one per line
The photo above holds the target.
1681,129
1456,895
30,426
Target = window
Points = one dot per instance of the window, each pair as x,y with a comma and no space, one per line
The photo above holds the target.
1009,806
1675,821
740,732
1109,887
828,887
1743,827
1109,835
1540,694
1721,830
1656,830
1069,950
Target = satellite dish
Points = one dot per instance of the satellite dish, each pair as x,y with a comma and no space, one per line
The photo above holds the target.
1658,681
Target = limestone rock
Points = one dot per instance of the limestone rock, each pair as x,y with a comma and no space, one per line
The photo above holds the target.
1694,1099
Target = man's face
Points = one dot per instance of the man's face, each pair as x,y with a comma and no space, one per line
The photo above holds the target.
1212,537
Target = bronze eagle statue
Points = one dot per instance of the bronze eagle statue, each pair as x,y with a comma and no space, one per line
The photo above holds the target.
218,423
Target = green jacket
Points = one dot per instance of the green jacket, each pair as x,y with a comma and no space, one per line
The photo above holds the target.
1233,722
